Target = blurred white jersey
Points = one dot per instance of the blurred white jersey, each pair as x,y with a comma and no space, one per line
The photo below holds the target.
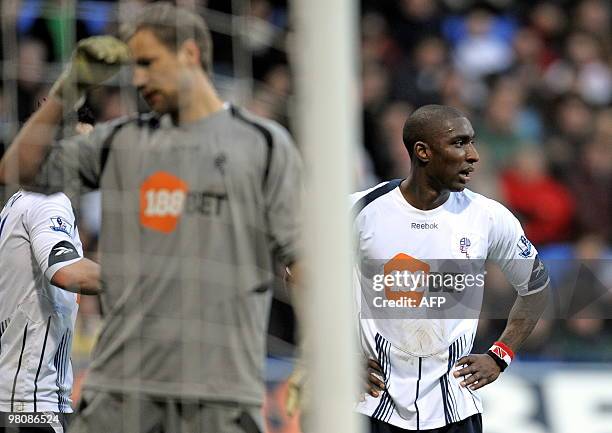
416,351
38,236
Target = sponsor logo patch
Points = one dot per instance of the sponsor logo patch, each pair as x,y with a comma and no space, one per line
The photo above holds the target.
162,199
165,198
525,247
62,252
59,224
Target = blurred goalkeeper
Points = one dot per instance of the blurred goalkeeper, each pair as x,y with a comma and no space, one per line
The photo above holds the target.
199,201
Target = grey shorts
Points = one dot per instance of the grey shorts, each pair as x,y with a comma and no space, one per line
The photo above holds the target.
104,412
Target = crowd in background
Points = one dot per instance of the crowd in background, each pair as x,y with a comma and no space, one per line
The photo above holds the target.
534,77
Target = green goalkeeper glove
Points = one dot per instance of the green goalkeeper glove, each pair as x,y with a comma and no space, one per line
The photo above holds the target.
296,397
95,59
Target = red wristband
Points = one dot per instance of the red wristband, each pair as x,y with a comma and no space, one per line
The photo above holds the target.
503,351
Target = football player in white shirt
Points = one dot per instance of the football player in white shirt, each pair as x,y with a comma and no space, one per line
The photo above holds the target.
40,254
419,226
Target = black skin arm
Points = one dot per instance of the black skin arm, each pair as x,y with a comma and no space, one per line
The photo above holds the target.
478,370
374,383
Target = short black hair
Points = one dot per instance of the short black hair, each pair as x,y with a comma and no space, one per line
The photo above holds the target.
425,123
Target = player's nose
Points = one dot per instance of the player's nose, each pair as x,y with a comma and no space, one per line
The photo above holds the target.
471,154
139,77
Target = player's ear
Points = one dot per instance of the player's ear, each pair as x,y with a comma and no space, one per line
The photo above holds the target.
422,151
190,52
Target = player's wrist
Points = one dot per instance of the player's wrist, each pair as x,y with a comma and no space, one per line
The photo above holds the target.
66,92
501,354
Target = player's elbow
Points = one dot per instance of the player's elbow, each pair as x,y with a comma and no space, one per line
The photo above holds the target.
13,172
3,177
82,277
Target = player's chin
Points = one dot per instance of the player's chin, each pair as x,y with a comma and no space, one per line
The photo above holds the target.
457,186
158,107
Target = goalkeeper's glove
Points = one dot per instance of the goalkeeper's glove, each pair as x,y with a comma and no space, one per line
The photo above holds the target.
296,397
95,59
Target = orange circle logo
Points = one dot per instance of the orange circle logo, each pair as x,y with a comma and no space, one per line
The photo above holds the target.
162,199
403,262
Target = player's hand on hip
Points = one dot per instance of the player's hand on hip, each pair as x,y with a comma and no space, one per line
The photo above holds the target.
374,381
476,371
94,60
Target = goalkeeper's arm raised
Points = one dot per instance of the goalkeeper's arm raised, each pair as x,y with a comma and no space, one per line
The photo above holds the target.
94,60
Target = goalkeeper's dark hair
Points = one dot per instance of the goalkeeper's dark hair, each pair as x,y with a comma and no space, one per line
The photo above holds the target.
173,25
425,123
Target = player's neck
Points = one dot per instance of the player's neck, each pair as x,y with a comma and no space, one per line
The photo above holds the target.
421,194
202,101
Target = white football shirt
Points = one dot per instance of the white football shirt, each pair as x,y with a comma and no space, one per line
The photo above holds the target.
417,347
38,236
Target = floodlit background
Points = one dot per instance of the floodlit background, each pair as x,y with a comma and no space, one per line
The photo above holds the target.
534,77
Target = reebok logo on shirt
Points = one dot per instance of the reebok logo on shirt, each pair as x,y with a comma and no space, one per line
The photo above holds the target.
424,226
62,252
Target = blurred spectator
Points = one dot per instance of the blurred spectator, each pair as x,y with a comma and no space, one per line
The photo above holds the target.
31,74
499,129
530,59
278,80
415,20
572,126
419,79
377,46
55,24
374,96
259,33
591,183
583,70
268,104
392,125
270,98
461,94
4,127
594,16
582,339
483,44
550,22
544,206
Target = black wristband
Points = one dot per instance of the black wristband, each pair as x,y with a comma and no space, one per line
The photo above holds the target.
500,362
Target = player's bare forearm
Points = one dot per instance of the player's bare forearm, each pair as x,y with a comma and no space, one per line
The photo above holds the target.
81,277
296,381
21,162
523,317
478,370
294,280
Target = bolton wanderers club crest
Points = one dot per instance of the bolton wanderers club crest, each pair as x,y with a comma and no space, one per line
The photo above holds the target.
464,246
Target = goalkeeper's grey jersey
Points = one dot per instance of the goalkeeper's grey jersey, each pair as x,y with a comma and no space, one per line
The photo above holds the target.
193,219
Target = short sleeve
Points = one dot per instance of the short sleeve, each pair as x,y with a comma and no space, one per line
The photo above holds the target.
53,233
283,194
514,253
74,165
